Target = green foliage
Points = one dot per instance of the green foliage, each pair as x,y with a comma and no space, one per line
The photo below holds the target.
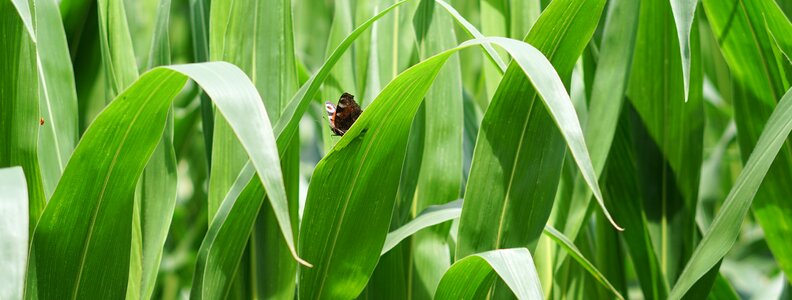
645,131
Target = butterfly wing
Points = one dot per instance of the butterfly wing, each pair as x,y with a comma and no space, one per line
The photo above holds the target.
331,115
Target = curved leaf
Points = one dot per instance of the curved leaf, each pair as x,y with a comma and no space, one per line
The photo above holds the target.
345,226
472,31
570,247
510,191
430,216
472,276
227,250
725,228
761,75
287,125
81,243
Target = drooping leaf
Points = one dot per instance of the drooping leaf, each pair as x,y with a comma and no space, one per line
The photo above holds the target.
725,228
472,276
159,178
333,229
570,247
430,216
440,175
80,243
761,75
505,170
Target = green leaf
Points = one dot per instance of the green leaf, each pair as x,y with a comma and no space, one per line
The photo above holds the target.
623,194
226,263
422,20
58,97
762,77
19,108
670,142
159,178
504,183
81,252
14,232
607,98
344,226
287,125
472,276
430,216
118,54
725,227
472,31
684,11
570,247
440,175
334,233
437,214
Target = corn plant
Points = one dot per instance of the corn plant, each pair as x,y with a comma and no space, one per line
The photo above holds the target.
415,149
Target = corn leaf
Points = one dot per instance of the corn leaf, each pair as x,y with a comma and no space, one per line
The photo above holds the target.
471,277
762,76
505,174
80,232
19,108
725,227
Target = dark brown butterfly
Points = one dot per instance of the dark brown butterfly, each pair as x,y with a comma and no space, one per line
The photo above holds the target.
344,114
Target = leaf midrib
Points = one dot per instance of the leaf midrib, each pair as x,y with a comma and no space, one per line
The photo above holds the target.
347,200
87,245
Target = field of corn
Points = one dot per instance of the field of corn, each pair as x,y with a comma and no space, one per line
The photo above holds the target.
529,149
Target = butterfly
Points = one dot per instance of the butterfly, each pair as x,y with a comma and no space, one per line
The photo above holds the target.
344,114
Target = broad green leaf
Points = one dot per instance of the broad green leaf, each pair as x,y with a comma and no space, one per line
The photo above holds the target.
121,70
473,32
510,180
570,247
117,50
725,228
344,227
670,144
430,216
199,29
495,21
81,244
215,270
334,232
472,276
684,11
762,77
440,175
607,96
159,178
523,16
622,193
13,232
437,214
57,97
422,20
19,106
287,125
250,34
342,75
